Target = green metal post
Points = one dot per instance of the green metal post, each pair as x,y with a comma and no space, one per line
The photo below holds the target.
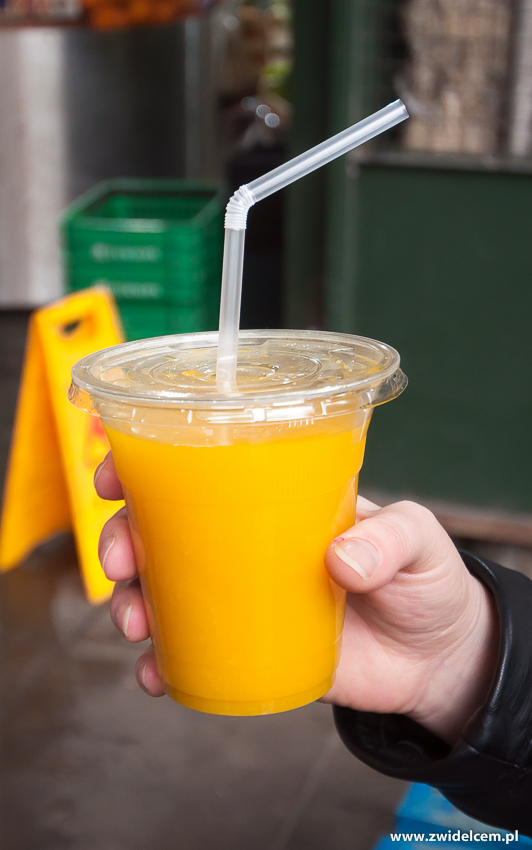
306,198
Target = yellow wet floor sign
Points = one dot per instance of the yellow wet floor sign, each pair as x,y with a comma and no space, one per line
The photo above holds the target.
55,447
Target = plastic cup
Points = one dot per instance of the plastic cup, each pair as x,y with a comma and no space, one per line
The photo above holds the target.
233,498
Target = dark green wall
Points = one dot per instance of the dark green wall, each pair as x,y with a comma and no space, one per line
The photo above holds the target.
445,275
434,260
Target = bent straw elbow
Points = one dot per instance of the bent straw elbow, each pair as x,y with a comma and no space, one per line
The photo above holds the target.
236,212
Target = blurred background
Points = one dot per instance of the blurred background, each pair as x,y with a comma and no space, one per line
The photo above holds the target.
420,238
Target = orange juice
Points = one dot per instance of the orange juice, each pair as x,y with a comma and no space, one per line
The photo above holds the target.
230,543
233,498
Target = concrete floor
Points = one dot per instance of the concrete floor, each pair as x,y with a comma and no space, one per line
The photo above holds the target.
91,763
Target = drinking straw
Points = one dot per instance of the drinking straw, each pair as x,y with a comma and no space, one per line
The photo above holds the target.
248,194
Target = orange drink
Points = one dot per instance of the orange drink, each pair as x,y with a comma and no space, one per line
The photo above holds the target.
251,521
233,498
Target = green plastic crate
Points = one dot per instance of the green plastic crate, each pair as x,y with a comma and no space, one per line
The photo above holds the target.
140,321
157,244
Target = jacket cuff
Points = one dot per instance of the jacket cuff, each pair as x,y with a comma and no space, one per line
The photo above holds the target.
496,744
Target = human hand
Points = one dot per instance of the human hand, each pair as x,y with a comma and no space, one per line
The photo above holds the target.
421,633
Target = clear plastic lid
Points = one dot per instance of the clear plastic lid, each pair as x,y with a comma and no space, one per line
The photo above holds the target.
276,369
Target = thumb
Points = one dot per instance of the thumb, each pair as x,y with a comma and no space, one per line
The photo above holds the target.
402,536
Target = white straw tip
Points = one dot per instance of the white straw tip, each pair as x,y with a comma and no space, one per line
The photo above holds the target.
404,110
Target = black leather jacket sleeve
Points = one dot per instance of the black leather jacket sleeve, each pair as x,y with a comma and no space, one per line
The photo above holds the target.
488,773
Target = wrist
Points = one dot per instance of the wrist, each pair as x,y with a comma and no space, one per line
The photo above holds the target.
459,683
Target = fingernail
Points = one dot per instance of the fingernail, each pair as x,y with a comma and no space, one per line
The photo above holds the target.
142,674
360,555
122,617
105,547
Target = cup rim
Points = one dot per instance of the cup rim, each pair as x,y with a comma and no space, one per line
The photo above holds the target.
86,383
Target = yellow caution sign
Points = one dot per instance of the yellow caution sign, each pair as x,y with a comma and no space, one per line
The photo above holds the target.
55,447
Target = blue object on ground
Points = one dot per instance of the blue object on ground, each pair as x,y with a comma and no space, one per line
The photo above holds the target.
425,810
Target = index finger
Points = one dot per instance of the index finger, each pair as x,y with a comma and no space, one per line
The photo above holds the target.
106,480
